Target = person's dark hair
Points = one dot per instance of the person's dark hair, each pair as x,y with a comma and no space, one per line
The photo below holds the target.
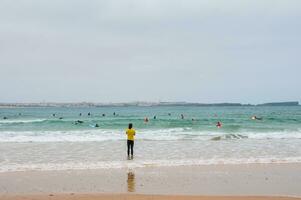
130,125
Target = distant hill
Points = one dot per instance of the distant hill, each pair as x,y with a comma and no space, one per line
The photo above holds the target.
88,104
289,103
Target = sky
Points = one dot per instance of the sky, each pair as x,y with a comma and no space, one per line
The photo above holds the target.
204,51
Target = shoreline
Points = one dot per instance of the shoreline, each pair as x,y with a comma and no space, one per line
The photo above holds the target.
219,180
139,197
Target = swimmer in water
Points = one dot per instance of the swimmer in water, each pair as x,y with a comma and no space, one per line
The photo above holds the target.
145,119
78,122
182,116
155,117
218,124
256,118
96,125
89,113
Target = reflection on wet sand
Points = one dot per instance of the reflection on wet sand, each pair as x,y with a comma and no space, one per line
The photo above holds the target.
131,182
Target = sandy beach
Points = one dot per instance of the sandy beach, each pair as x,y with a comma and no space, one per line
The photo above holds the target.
161,100
136,197
196,182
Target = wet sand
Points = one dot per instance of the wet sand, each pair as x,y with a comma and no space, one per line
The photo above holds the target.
278,180
135,197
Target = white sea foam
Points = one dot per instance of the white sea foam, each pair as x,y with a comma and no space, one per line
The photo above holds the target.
159,134
9,121
59,136
144,163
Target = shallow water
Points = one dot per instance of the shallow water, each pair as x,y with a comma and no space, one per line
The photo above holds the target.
34,139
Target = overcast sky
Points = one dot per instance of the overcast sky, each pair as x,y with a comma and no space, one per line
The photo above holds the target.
150,50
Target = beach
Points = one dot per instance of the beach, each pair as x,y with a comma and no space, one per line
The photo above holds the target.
137,197
162,100
263,180
47,154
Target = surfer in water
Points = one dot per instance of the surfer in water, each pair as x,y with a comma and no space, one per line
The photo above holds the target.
130,140
256,118
219,124
78,122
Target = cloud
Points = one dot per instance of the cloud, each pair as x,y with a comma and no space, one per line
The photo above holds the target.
172,50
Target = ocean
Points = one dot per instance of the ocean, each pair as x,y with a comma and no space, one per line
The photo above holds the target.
53,139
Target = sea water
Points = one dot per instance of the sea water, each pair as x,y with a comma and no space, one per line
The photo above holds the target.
52,139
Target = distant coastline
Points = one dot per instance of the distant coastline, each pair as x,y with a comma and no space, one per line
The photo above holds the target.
88,104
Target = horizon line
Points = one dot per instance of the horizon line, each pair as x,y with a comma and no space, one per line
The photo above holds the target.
138,103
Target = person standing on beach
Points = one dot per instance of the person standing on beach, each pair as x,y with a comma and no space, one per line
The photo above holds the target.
130,139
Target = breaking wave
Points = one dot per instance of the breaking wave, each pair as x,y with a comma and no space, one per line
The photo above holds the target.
98,135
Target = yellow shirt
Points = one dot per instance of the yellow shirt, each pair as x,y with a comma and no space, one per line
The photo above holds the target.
131,133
